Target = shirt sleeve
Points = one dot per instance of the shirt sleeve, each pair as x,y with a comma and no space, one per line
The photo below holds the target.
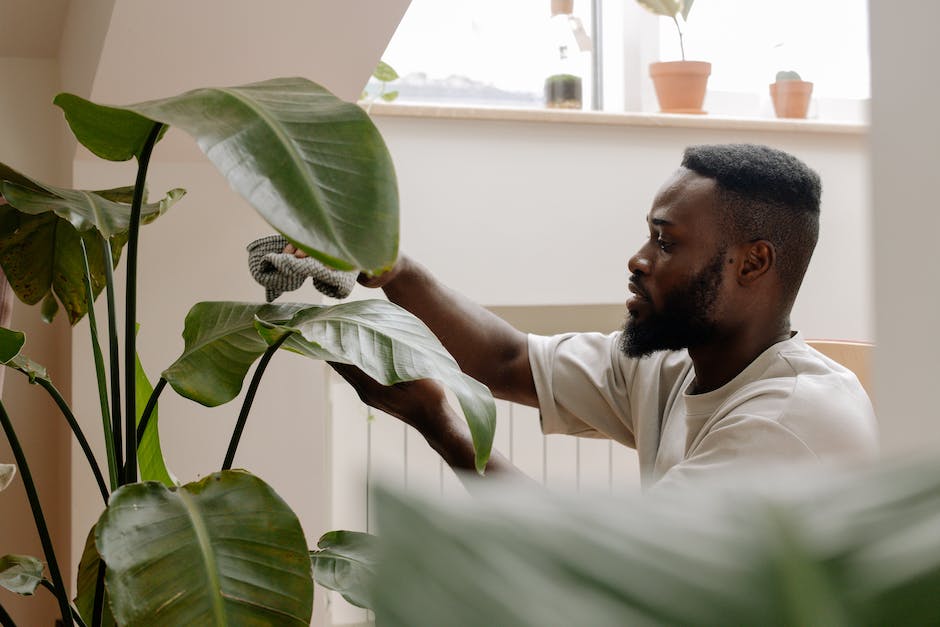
582,385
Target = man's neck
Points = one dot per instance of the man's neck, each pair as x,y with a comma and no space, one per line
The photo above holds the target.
718,362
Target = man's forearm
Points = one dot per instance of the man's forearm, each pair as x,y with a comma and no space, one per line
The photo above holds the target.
487,347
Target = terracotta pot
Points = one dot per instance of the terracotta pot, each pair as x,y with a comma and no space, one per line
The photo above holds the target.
791,98
680,85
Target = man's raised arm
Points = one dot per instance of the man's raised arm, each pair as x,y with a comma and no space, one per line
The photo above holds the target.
487,347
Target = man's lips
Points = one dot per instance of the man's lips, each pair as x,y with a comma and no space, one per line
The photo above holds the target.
639,296
637,291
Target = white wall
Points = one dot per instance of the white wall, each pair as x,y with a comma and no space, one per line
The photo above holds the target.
537,213
905,160
31,143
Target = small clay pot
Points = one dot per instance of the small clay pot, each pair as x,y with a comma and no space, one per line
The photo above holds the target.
791,98
680,85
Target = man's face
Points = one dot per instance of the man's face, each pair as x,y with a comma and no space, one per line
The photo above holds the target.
677,275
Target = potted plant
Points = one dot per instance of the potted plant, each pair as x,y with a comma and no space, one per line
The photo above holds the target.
680,85
225,549
790,95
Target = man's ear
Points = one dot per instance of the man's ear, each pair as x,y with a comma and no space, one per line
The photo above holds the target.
757,259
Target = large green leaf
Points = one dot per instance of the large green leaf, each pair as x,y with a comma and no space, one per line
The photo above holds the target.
40,233
345,561
854,549
221,343
149,453
111,133
20,573
315,167
223,339
86,210
225,550
7,472
87,580
391,346
11,342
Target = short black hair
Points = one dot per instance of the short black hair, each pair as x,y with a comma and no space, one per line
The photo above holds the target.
766,194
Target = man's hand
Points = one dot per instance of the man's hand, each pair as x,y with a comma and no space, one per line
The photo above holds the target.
421,404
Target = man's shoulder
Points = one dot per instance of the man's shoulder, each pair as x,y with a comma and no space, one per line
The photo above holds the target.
817,399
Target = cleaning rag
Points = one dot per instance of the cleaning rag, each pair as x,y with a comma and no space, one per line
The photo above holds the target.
281,272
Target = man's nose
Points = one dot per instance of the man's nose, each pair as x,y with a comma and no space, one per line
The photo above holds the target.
639,263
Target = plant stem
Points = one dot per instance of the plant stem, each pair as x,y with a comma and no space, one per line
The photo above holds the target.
148,410
115,360
5,619
79,436
249,399
130,308
97,612
75,615
61,594
99,372
679,30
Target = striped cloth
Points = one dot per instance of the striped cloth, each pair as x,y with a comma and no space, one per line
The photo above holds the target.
281,272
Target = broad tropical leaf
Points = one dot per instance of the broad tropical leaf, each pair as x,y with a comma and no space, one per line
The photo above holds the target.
86,581
7,472
111,133
11,342
40,233
87,210
225,550
345,562
315,167
391,346
854,549
20,573
149,453
221,343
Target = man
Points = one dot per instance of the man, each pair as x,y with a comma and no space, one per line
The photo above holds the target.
706,375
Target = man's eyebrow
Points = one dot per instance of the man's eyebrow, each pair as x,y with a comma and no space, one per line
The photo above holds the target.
660,222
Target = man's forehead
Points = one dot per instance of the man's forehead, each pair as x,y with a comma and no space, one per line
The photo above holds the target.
684,196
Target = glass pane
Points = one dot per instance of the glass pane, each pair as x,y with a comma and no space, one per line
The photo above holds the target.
748,41
482,52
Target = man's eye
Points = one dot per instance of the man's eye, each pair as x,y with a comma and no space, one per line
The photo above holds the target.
663,244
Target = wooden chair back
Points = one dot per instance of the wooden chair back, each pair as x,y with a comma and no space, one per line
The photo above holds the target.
856,356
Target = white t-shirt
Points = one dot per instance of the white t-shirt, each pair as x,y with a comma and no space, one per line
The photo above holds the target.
790,405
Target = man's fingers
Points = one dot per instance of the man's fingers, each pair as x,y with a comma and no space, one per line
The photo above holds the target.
290,249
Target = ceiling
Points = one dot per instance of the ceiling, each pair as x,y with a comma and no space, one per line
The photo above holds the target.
31,28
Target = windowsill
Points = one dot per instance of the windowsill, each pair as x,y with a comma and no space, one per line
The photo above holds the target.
659,120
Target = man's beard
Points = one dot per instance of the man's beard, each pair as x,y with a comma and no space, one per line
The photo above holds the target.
685,319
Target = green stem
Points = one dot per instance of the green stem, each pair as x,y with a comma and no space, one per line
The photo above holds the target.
115,360
679,30
61,595
97,612
99,372
130,308
249,399
79,436
45,583
5,619
148,410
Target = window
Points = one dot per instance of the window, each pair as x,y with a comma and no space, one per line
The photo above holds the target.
481,52
499,53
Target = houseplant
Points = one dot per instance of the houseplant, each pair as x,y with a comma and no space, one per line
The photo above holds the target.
790,95
680,85
318,171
